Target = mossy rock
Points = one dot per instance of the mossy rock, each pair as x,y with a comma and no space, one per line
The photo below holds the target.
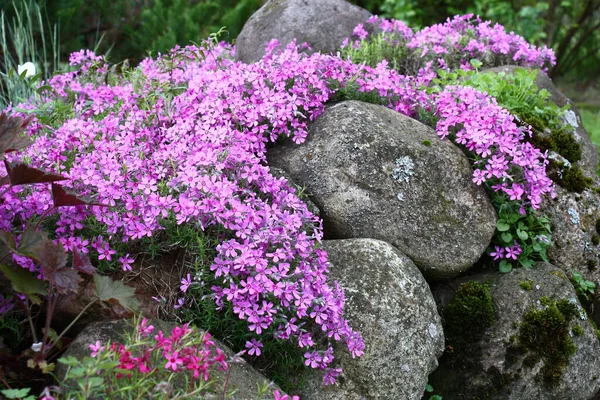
538,345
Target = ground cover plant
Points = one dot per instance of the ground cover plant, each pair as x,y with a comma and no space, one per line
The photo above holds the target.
457,50
179,142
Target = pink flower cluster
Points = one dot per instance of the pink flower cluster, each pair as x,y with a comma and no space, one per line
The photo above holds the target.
474,38
458,40
507,252
484,128
179,352
183,139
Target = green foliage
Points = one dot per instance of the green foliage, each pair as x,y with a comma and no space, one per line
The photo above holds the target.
583,287
544,333
100,376
108,290
130,28
531,231
25,37
379,47
591,122
22,394
429,392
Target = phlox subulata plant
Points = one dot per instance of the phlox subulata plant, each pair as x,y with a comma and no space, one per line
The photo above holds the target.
183,138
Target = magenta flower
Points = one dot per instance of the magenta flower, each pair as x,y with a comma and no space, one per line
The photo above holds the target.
497,253
254,347
96,348
173,360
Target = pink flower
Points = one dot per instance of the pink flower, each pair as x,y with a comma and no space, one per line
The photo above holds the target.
96,348
497,253
126,262
185,283
173,360
279,396
254,347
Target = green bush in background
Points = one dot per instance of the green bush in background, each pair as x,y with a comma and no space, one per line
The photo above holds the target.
133,27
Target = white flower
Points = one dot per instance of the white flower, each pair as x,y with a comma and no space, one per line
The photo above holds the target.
29,67
36,347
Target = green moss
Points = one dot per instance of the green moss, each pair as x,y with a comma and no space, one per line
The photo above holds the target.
595,328
564,143
577,330
471,311
426,143
560,274
544,333
526,285
595,240
574,180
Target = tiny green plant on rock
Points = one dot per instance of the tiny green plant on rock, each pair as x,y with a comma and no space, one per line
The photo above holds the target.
583,287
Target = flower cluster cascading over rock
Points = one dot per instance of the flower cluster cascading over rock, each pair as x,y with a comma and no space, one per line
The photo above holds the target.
182,139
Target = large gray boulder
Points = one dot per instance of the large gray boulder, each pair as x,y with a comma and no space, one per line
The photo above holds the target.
390,304
575,238
243,379
376,173
589,151
539,344
323,24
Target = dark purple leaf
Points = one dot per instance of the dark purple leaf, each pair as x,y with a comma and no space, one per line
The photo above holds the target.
11,133
9,240
51,257
82,263
21,174
67,280
62,198
30,241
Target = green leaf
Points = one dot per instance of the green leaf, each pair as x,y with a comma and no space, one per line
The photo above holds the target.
536,247
475,63
429,388
502,226
505,266
24,281
507,237
15,393
68,361
526,263
522,234
108,290
435,397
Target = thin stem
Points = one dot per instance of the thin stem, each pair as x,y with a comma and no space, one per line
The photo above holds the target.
71,324
28,312
51,297
43,216
4,380
226,383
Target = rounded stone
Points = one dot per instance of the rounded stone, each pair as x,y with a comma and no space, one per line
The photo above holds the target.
322,24
376,173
